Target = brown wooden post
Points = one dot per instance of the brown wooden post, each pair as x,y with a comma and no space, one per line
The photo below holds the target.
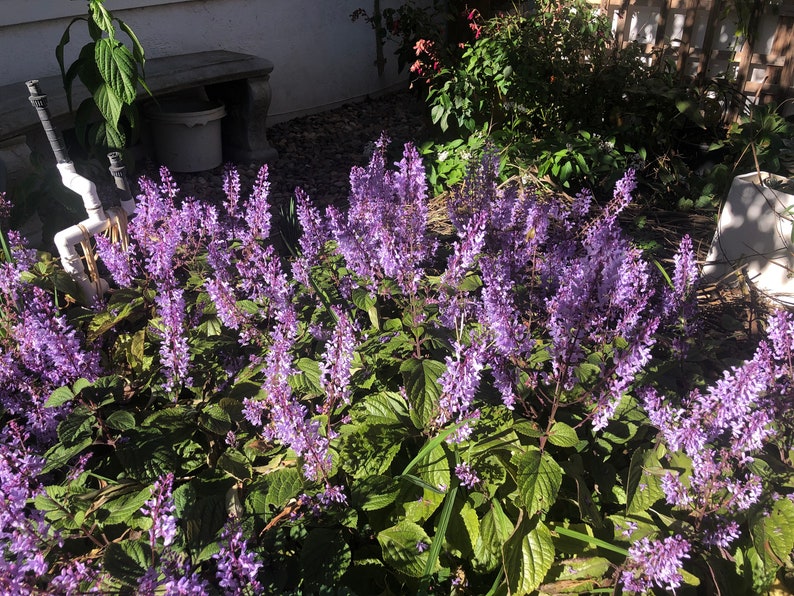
746,55
784,46
623,17
661,23
686,35
712,25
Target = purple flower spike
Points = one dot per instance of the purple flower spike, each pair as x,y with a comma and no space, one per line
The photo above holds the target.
337,359
238,567
160,508
231,187
655,563
466,475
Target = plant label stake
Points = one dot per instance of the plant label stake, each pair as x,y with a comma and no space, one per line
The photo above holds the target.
99,220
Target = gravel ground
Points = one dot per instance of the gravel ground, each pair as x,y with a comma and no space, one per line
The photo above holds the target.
316,152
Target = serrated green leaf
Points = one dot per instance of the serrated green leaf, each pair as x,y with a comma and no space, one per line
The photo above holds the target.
495,529
108,103
100,16
308,381
575,576
436,467
324,559
60,396
643,488
184,498
284,484
117,66
563,435
528,555
207,513
76,427
59,455
538,478
421,384
369,450
120,420
127,561
399,544
122,509
420,510
235,465
375,492
387,407
215,419
464,529
773,534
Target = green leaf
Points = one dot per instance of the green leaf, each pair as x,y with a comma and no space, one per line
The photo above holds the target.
643,486
369,450
419,510
430,446
123,508
77,426
387,407
324,559
285,484
60,396
368,303
435,468
539,478
215,419
773,534
127,561
308,381
563,435
120,420
436,113
421,383
528,555
235,465
495,529
464,531
118,69
137,49
375,492
100,16
399,546
59,455
108,103
81,384
576,576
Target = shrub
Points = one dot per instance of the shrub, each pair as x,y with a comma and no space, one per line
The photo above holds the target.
384,412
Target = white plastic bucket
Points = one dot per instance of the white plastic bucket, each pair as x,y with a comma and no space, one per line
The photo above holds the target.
186,134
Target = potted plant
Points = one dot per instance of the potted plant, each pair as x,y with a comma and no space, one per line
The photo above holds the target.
754,236
111,72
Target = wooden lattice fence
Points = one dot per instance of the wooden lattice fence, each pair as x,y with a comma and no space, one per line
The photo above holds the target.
701,36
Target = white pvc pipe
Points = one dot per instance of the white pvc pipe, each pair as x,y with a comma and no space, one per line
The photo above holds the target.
97,222
66,241
83,187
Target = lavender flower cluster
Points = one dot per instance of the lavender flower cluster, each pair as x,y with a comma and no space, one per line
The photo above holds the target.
534,295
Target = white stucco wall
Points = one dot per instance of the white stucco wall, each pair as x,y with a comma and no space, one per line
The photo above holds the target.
321,58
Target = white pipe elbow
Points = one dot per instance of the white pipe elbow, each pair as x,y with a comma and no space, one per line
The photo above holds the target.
85,188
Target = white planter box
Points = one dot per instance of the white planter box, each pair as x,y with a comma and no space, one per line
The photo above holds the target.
754,237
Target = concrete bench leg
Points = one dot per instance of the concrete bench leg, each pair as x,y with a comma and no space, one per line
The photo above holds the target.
245,126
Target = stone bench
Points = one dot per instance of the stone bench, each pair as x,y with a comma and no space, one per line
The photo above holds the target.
240,81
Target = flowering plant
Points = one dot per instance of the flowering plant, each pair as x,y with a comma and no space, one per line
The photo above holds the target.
384,413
